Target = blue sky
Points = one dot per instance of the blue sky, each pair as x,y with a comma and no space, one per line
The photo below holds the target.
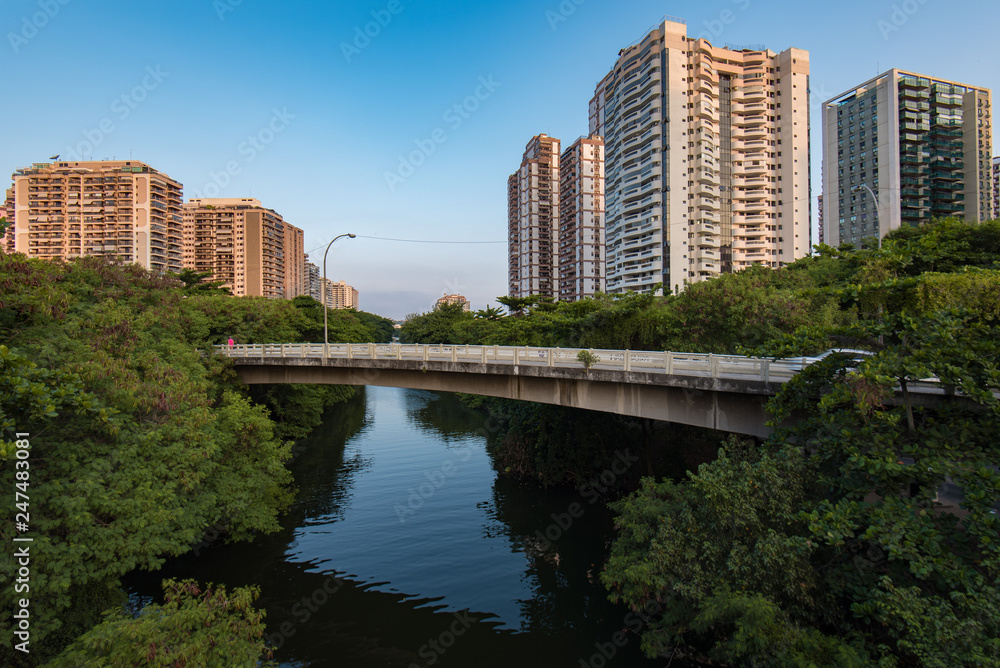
285,102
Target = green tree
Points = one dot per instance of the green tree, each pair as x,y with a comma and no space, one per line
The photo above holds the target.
195,626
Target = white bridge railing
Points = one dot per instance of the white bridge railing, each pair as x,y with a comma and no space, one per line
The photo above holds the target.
734,367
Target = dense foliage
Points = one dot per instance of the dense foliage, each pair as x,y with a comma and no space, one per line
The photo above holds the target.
753,306
194,627
140,437
828,544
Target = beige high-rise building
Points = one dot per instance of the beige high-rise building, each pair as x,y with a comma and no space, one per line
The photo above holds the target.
123,209
340,295
248,247
707,159
920,146
533,220
453,299
581,220
7,212
996,188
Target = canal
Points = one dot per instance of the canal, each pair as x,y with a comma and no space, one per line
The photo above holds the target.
404,548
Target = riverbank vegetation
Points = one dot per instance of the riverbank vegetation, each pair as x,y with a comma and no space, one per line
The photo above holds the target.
141,438
828,543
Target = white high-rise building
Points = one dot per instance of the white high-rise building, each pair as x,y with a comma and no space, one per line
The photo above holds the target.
707,159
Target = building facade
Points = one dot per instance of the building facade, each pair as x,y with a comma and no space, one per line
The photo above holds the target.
581,220
246,246
453,299
313,278
340,295
533,220
996,188
819,229
707,159
121,209
7,212
921,146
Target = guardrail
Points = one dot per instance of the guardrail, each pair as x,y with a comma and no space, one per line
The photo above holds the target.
735,367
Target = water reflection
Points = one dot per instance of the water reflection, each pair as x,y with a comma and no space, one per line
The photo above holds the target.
473,571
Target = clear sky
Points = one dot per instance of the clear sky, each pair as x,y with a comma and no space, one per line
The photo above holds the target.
292,103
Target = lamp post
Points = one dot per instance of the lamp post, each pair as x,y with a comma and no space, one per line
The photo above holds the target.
878,228
326,341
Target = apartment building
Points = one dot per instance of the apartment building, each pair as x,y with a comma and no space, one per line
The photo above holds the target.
918,146
7,212
581,256
707,159
122,209
313,277
996,188
248,247
340,295
819,232
532,220
453,299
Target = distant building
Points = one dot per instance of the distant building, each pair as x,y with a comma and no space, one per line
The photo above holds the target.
340,295
7,211
251,249
454,299
313,278
533,219
996,188
819,206
707,159
922,145
123,209
580,270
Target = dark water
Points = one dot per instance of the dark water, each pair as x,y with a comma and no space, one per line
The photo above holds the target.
404,548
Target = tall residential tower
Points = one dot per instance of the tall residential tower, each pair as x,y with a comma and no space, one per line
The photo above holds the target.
248,247
581,220
123,209
707,159
921,146
533,220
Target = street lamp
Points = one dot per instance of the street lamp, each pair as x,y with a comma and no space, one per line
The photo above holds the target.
878,229
326,342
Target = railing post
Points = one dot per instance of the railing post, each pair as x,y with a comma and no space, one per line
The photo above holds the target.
669,362
515,355
281,349
712,366
350,351
371,350
425,352
551,358
454,353
483,351
628,360
496,352
765,368
399,351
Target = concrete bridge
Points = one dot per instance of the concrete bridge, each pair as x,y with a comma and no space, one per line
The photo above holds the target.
725,392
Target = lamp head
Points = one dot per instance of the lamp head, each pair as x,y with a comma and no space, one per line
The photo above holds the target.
351,235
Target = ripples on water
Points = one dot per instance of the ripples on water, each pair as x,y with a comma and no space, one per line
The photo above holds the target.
403,540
